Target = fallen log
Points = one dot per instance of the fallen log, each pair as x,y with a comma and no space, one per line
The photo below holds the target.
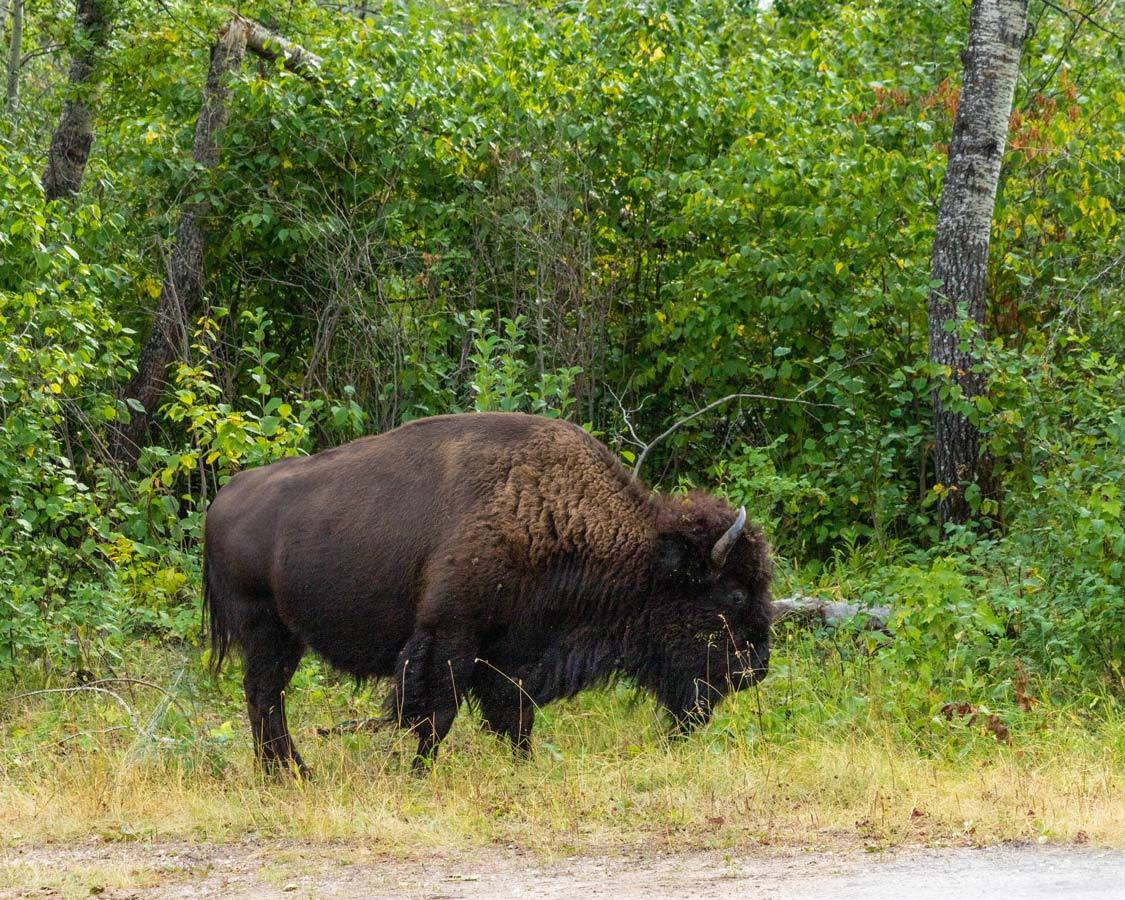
818,611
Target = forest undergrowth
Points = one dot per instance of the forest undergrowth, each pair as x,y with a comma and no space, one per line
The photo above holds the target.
613,212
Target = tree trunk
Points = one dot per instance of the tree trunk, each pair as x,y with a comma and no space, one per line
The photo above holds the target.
181,291
964,224
181,294
15,49
71,142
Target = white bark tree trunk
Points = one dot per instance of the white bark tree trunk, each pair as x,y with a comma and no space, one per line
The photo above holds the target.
15,50
964,225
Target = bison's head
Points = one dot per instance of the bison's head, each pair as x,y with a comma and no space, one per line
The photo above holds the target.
711,613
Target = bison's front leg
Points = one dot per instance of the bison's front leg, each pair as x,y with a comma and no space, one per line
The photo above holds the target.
432,674
505,706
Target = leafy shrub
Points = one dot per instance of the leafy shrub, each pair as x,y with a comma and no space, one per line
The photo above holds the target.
502,380
550,207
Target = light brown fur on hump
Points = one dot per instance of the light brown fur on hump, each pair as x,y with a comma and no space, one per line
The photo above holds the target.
565,495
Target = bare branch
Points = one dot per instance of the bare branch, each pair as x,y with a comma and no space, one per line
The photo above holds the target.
355,726
42,51
1086,17
100,682
710,406
81,734
147,733
77,690
636,441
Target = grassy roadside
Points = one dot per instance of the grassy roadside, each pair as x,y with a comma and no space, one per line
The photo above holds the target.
822,753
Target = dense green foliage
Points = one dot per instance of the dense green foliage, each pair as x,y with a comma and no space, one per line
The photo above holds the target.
613,211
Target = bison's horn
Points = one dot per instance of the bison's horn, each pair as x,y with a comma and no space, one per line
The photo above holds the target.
723,545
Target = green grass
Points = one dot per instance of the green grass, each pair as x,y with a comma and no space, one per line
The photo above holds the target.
828,749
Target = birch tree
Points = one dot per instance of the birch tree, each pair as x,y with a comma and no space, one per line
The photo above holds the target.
181,294
15,48
960,253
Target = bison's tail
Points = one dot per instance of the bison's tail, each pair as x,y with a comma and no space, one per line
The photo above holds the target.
220,607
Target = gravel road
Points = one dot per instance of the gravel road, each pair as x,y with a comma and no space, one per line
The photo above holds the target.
292,869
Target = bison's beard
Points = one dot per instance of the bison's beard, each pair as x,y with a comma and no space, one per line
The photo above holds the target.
690,699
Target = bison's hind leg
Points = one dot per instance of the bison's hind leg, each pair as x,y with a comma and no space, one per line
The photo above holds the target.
271,654
505,707
244,617
431,677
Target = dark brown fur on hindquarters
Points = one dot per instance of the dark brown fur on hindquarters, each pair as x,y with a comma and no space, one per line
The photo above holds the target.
501,558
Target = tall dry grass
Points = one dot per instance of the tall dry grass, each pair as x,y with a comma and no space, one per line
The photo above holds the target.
798,762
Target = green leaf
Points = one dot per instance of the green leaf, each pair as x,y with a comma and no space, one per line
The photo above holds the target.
268,425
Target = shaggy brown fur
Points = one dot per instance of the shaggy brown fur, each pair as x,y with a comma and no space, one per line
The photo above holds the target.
504,557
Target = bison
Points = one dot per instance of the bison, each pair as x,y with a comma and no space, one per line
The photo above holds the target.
503,558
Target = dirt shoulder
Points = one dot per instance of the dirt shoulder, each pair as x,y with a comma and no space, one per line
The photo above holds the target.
297,869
